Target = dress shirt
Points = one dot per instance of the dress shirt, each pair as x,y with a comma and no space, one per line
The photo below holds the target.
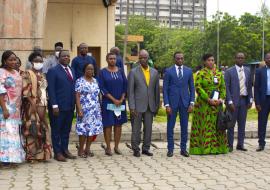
177,70
268,80
244,76
146,73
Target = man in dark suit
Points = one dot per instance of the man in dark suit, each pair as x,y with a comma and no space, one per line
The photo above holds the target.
143,100
262,99
61,92
178,95
238,98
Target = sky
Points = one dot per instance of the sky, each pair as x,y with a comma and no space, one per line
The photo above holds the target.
235,7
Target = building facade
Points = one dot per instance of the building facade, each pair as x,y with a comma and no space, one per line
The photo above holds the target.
28,23
170,13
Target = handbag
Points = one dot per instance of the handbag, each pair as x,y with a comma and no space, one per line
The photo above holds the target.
224,119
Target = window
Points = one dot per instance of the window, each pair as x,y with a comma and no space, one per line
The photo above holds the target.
176,11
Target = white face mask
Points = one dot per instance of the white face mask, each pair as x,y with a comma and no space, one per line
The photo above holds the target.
117,113
37,66
57,54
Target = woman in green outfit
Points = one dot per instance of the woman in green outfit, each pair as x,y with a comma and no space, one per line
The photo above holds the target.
204,138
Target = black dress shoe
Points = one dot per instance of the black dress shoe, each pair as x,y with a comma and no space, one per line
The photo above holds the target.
241,148
147,153
169,154
68,155
136,154
184,153
260,148
230,148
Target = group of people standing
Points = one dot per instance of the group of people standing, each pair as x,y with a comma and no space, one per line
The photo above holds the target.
100,101
214,89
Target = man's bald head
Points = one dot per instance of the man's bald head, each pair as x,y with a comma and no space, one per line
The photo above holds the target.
83,48
115,50
143,58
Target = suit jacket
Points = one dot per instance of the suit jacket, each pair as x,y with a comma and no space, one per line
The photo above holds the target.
61,90
233,85
175,89
140,96
260,86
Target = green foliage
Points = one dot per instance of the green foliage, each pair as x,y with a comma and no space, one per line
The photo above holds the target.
236,35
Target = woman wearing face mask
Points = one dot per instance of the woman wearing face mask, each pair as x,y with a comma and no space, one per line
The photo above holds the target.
11,150
89,121
35,125
210,88
113,85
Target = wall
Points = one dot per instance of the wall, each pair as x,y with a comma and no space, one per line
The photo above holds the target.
74,22
21,25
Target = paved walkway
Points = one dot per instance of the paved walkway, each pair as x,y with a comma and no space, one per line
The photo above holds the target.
237,170
160,134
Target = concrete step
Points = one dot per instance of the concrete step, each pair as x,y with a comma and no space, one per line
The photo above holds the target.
159,132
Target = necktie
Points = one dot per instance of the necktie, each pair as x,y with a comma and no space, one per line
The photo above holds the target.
68,74
180,75
242,82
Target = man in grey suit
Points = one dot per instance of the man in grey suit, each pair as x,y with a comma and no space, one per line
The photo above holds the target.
143,100
238,98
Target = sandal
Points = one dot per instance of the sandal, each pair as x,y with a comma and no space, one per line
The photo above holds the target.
82,155
117,151
90,154
108,152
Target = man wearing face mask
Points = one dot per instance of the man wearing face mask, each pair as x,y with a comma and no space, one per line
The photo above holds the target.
53,59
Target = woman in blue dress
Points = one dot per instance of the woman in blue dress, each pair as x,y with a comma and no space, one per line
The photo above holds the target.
113,85
89,120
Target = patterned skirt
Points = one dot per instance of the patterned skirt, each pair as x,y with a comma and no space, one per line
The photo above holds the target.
204,138
11,150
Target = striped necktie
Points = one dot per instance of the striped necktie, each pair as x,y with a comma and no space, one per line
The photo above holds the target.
180,75
241,81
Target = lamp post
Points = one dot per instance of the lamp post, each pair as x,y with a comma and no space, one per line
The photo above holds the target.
218,37
126,36
263,33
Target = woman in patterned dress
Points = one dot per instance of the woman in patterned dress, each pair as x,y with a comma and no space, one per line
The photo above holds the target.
89,121
11,150
36,130
204,138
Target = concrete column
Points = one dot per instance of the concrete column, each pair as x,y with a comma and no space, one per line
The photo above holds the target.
22,25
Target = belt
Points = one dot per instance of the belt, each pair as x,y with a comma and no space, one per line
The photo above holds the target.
242,96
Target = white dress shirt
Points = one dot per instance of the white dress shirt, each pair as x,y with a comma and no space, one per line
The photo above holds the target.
177,69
